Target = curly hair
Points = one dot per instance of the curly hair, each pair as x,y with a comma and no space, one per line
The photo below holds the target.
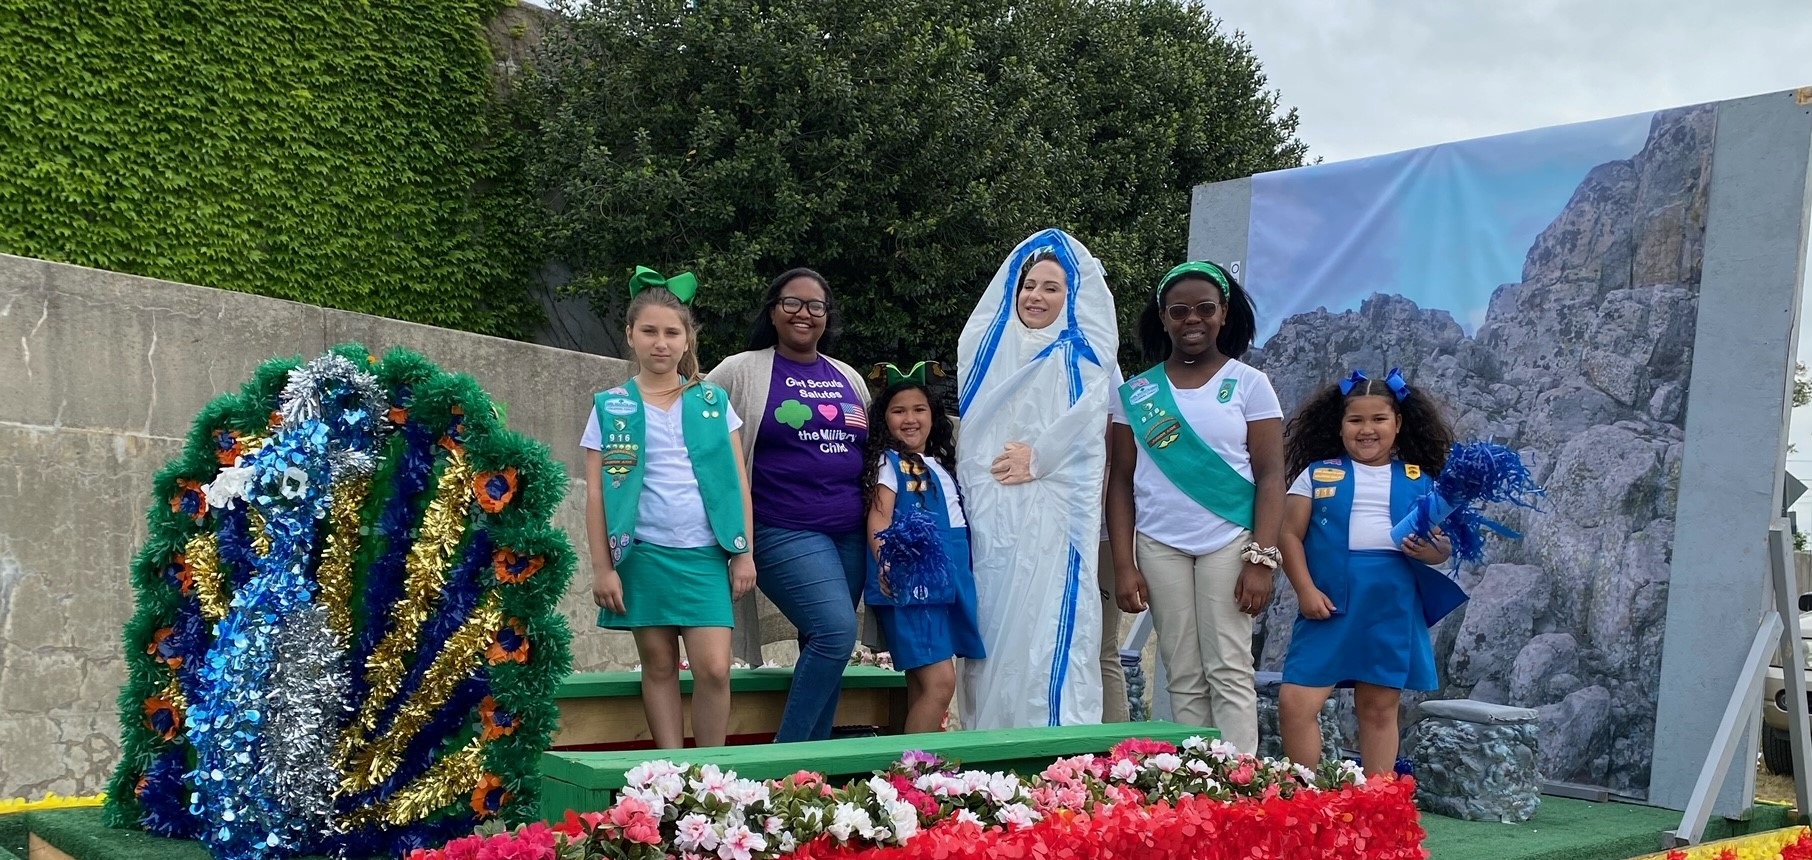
762,333
940,444
1423,436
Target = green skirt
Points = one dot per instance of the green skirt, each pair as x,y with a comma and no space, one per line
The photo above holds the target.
673,587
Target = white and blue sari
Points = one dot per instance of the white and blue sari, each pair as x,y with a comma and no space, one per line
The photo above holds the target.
1035,544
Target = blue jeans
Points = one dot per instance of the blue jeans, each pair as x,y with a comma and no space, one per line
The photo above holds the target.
815,579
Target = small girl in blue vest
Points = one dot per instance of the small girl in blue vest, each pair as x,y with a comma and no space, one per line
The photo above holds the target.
1361,452
667,513
919,582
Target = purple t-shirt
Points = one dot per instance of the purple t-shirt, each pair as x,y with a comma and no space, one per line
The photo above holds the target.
808,451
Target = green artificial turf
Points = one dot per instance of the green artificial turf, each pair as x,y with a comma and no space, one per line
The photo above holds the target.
1566,829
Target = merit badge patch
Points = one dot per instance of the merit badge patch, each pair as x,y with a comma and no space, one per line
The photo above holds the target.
621,406
1226,393
1412,471
618,462
1142,390
1328,476
1163,432
1324,492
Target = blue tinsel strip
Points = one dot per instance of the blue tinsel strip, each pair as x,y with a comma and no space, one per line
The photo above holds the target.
1476,474
384,580
912,549
459,596
164,799
237,558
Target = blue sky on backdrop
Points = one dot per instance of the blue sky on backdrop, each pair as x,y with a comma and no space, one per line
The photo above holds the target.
1443,225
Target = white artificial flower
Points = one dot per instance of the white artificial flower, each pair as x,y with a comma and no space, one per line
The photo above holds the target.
1303,774
1196,765
974,781
670,785
811,818
740,843
747,792
1124,770
1003,787
773,824
966,815
657,804
787,843
884,790
905,819
230,485
1221,749
295,483
1165,762
848,819
696,832
1016,815
1195,743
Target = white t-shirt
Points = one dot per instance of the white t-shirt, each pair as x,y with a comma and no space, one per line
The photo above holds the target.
889,477
671,512
1370,525
1115,380
1165,514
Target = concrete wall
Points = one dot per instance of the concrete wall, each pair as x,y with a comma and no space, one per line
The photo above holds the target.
100,375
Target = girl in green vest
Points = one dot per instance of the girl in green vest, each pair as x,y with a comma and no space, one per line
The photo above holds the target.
667,513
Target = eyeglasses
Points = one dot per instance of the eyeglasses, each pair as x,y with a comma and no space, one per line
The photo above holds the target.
1181,312
815,307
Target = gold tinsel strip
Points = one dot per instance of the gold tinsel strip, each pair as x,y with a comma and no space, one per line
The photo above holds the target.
203,555
452,666
173,694
261,537
442,527
335,573
448,780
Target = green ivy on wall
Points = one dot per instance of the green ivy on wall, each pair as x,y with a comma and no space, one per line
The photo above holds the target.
330,153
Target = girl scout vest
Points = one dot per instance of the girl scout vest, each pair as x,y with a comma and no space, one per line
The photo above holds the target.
1195,469
623,426
920,490
1330,525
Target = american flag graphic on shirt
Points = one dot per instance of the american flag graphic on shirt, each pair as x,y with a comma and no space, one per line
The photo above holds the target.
855,416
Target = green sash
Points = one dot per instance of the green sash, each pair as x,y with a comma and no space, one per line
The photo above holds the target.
1195,468
623,434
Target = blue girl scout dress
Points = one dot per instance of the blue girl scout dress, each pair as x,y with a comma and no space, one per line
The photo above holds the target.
1384,601
927,617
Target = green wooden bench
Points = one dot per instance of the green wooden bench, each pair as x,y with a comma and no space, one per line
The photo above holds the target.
588,781
603,710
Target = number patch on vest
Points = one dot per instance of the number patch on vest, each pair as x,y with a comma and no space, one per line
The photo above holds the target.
1324,492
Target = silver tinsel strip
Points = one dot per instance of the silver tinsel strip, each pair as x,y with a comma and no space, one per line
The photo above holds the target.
307,709
355,427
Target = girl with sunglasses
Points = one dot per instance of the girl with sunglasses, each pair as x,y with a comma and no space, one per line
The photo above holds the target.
805,446
1196,495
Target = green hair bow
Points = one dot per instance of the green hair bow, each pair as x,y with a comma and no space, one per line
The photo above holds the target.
683,286
1211,271
920,373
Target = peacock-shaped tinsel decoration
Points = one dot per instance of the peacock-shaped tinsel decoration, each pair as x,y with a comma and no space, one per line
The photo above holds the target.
346,639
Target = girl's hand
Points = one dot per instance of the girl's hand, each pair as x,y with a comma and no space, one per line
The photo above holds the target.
1014,465
1253,590
1314,605
607,590
1429,552
1130,592
881,578
742,574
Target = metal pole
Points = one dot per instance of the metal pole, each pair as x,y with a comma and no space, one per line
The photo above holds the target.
1739,714
1792,659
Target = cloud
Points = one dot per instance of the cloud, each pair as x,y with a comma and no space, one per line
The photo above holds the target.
1372,77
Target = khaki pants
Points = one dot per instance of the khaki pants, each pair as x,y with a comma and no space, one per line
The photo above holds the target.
1205,641
1113,678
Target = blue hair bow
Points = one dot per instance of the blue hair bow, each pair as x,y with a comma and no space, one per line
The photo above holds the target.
1393,380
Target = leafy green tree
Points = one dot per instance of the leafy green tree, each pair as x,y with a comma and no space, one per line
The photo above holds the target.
900,148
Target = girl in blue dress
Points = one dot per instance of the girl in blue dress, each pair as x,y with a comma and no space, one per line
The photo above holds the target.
1361,452
919,582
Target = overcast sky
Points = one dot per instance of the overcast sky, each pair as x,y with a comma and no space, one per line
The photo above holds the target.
1374,76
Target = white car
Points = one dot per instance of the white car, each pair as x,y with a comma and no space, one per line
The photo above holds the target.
1777,752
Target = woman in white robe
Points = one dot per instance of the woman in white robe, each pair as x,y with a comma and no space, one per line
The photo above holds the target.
1034,364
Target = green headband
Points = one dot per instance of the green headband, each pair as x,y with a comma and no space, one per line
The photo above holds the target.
683,286
1204,268
894,375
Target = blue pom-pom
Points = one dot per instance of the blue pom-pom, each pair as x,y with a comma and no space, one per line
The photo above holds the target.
1477,473
912,551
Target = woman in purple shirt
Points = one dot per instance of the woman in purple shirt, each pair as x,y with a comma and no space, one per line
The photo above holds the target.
807,428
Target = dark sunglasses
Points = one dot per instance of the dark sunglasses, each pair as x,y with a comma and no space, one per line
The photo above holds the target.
1180,312
814,307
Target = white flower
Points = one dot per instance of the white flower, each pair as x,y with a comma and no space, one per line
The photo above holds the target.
1195,743
657,804
884,790
773,824
974,781
696,833
811,818
905,819
740,843
670,785
1165,762
966,815
1221,749
787,843
1196,765
1016,815
747,792
1003,787
1124,770
848,819
1303,774
295,483
230,485
642,774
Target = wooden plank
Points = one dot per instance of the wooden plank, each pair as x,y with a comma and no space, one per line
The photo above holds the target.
609,720
629,684
854,756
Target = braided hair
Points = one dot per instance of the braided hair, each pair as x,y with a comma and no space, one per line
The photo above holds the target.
1423,435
